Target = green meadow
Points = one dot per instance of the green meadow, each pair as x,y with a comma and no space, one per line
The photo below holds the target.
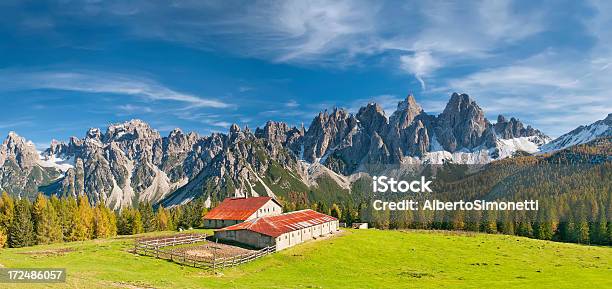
354,259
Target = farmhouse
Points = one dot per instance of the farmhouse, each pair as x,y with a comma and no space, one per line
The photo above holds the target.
282,231
237,210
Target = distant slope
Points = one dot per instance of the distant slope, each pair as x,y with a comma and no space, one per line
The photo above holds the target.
580,135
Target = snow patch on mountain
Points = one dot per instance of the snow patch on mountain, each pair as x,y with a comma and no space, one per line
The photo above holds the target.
62,164
507,147
580,135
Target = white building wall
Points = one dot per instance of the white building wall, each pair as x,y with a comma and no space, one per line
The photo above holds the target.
283,241
271,208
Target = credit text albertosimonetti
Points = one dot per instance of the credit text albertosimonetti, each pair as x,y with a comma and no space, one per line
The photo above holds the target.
383,184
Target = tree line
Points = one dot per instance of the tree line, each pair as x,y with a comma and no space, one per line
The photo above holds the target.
574,190
49,220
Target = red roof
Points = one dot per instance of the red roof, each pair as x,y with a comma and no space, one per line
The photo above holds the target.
275,226
237,208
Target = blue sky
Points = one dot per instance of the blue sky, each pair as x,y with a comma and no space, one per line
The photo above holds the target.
66,66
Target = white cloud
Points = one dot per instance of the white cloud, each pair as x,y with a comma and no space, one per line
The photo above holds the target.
100,82
130,108
421,64
292,104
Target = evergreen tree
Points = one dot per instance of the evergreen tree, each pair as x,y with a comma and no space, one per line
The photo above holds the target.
129,222
381,218
609,233
489,222
600,229
148,217
349,215
543,227
136,222
7,212
336,212
505,223
524,228
21,232
473,221
457,220
582,231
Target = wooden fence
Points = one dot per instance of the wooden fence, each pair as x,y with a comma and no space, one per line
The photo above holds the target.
157,248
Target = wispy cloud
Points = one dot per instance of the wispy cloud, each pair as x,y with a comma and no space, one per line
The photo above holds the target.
292,104
323,32
15,124
101,82
420,64
130,108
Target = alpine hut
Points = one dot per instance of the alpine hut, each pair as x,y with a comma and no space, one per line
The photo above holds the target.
282,231
237,210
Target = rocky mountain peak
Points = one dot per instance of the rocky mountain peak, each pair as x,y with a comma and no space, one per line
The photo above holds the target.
461,124
372,116
177,132
234,129
408,103
133,129
94,133
406,111
17,149
513,128
275,132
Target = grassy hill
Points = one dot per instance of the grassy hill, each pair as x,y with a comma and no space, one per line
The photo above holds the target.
356,259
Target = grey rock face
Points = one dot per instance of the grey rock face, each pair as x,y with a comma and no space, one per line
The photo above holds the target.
280,133
20,173
17,149
461,124
513,128
131,162
406,112
241,164
347,143
328,131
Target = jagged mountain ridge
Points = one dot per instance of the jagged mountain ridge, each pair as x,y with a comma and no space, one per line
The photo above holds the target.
131,161
461,133
20,171
581,135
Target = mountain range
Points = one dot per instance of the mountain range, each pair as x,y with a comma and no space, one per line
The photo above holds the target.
131,162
